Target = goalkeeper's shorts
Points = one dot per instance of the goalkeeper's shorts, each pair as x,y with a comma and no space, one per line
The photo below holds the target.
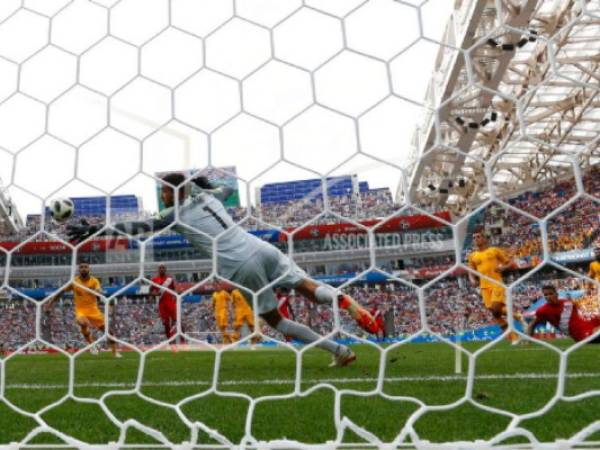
264,267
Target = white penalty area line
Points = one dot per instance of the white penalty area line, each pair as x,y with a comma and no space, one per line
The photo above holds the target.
186,383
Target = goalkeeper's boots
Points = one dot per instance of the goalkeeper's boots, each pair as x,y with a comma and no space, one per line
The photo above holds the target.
363,318
343,357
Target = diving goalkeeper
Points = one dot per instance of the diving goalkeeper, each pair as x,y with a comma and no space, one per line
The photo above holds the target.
241,257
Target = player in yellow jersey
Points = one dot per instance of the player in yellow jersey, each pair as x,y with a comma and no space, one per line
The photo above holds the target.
221,300
491,262
594,272
242,314
85,290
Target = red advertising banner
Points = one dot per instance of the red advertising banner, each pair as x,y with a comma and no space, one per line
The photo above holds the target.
51,247
397,224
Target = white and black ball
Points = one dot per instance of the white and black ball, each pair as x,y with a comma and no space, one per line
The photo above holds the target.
62,209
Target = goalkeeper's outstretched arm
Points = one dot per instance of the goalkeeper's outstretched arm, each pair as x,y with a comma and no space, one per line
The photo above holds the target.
221,193
137,227
78,233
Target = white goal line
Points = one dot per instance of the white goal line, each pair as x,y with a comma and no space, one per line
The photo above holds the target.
442,378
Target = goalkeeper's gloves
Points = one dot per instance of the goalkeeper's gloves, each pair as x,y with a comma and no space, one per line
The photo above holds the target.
202,182
79,233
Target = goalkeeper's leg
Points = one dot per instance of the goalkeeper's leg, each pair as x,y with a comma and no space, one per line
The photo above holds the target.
326,295
342,354
269,265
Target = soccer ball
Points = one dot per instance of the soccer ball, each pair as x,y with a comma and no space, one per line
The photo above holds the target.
62,209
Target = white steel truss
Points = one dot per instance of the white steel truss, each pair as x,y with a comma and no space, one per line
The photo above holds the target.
520,94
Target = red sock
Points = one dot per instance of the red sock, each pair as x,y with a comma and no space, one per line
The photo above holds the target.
343,302
368,324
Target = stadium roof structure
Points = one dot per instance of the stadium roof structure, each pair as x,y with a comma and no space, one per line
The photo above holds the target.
516,88
10,220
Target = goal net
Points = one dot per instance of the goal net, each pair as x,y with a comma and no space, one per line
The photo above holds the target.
435,161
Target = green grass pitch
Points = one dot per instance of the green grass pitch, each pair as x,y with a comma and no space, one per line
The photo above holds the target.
519,380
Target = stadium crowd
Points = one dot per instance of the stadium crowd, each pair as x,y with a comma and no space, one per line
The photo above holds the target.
367,205
451,305
573,228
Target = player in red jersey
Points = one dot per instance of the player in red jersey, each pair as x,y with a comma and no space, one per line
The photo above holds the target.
566,316
167,303
283,306
378,318
283,303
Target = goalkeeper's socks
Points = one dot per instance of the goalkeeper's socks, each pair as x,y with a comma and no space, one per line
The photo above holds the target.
344,302
363,317
305,334
358,313
325,295
367,322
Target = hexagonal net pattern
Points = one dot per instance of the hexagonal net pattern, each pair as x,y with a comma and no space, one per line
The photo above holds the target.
479,117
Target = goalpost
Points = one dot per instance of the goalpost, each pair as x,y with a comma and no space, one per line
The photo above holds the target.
305,80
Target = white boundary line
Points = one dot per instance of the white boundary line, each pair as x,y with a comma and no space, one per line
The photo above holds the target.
442,378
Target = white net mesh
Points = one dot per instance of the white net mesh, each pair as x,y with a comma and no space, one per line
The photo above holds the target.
98,98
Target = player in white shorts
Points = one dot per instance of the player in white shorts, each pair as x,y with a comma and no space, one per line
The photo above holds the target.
241,257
